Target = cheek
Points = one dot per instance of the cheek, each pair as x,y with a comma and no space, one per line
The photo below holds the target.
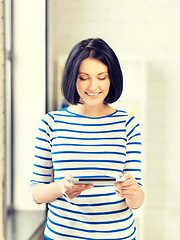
107,86
80,88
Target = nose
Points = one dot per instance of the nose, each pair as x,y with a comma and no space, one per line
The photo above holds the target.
93,84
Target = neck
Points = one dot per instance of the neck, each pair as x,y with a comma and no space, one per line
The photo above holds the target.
92,111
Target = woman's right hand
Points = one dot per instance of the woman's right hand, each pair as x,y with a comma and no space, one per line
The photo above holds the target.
45,193
73,190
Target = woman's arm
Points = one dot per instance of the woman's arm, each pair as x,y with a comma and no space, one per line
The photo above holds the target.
45,193
130,189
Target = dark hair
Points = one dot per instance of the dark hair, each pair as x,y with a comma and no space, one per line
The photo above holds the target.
91,48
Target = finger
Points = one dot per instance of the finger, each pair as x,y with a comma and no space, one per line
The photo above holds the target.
67,180
121,194
73,195
76,186
118,193
87,186
125,189
68,177
77,192
82,187
128,182
127,176
122,185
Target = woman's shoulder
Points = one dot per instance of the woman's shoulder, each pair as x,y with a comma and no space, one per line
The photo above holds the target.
128,116
124,113
52,114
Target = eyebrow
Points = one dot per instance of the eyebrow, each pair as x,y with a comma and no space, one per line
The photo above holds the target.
88,74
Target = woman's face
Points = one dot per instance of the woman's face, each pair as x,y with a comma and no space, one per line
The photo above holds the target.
93,82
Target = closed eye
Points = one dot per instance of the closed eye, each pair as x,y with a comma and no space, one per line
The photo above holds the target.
102,78
82,78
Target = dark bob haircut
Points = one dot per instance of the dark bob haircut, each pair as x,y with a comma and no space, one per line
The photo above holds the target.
91,48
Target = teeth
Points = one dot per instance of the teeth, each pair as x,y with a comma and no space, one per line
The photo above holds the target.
93,94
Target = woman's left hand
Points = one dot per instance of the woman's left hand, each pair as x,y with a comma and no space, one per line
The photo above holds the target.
127,189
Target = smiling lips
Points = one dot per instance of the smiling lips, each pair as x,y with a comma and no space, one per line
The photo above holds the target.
93,94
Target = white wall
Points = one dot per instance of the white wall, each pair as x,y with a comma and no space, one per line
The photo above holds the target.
29,92
149,29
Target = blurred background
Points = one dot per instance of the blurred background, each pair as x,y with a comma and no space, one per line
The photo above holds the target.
37,36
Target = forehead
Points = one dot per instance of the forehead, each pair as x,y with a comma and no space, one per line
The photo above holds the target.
91,65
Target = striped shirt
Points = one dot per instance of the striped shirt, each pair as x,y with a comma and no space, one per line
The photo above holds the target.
72,144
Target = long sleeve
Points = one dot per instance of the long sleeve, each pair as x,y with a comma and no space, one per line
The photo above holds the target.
42,169
133,149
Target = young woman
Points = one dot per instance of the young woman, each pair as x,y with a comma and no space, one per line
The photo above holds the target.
89,139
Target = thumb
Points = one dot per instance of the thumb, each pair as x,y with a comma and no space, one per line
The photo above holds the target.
68,177
127,176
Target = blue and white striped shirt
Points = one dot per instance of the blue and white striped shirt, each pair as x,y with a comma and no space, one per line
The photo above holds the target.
72,144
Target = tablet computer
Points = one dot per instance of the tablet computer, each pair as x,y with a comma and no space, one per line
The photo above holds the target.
97,181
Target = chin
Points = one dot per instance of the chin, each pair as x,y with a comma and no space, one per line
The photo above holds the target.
94,104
